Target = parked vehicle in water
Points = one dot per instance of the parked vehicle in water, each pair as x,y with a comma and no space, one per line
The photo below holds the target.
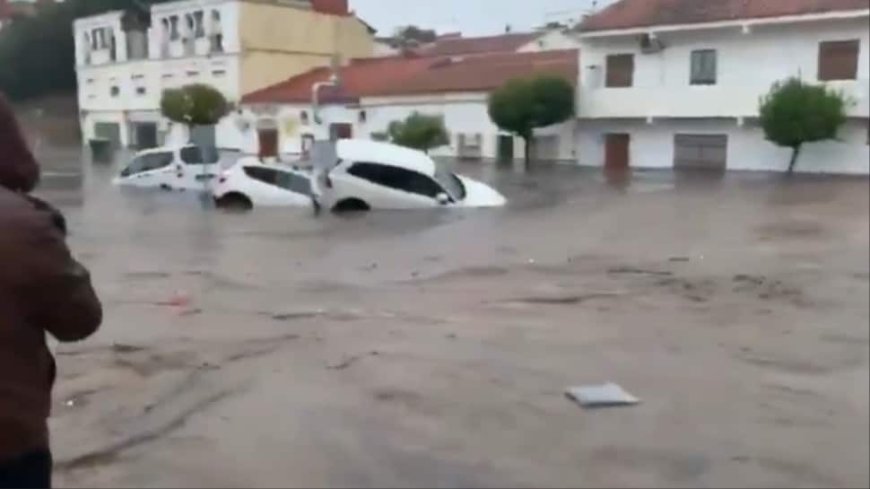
187,167
375,175
250,183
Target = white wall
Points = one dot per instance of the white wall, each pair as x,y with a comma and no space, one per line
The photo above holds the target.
463,113
748,64
98,75
549,41
652,146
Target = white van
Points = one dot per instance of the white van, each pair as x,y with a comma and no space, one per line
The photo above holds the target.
186,167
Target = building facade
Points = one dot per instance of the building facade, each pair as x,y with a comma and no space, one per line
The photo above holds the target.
375,92
667,86
125,60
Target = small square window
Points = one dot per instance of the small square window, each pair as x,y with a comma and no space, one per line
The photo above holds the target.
114,91
704,67
620,71
838,60
141,91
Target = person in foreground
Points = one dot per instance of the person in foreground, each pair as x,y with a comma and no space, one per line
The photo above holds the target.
42,289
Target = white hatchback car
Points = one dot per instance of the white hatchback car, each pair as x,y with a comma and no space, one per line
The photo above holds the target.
171,168
375,175
250,183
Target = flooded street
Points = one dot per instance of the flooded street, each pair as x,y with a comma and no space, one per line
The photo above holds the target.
432,349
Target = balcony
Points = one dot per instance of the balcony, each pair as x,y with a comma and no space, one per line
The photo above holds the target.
698,101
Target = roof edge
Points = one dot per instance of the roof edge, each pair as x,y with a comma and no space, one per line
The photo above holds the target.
782,19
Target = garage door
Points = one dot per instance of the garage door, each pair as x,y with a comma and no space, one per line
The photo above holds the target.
109,131
701,151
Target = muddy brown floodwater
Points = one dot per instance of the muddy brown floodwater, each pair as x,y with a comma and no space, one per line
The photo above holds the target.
432,349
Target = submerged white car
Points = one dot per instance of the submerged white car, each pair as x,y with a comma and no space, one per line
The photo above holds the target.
374,175
171,168
250,183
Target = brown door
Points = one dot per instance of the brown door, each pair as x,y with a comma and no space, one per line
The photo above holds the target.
340,131
268,142
616,148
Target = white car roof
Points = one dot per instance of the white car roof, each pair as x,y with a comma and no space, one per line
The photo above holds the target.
162,149
364,150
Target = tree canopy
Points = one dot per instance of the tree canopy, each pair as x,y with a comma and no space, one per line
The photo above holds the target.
37,54
419,131
795,113
194,105
410,36
524,104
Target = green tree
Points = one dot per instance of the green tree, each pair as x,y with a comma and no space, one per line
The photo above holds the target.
37,54
419,131
411,36
194,105
524,104
795,113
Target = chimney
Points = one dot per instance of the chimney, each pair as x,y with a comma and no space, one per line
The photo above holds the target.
331,7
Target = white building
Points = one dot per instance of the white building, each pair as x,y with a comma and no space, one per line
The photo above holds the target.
125,60
669,83
376,92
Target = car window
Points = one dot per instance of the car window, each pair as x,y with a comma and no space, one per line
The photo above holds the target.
452,183
198,155
148,162
265,175
294,183
396,178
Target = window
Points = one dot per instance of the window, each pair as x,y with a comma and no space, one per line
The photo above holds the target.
114,91
148,162
452,183
838,60
141,91
265,175
217,37
703,67
218,73
198,155
294,183
397,178
193,74
198,25
173,28
620,70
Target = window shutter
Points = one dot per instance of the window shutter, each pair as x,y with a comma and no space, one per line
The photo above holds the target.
838,60
620,70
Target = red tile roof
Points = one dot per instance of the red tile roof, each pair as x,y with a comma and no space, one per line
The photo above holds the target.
485,73
626,14
399,75
456,45
358,79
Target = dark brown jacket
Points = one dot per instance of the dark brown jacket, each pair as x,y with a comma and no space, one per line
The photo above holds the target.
42,289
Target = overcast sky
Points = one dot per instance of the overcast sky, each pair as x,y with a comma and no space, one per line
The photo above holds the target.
472,17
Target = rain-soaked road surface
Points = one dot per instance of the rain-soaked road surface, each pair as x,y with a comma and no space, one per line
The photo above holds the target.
432,349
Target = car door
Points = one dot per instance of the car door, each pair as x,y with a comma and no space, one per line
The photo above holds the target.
388,187
268,187
196,168
149,170
296,187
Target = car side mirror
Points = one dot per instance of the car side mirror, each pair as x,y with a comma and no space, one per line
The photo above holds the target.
443,198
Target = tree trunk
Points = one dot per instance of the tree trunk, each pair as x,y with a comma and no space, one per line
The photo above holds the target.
528,149
796,152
